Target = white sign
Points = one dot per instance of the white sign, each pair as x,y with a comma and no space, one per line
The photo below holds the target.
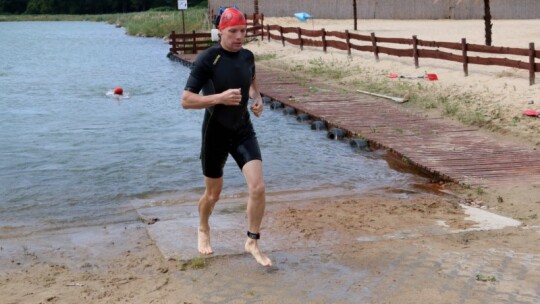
182,4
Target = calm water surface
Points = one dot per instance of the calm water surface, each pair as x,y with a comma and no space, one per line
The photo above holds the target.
71,156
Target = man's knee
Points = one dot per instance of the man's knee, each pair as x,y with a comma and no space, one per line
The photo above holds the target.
212,197
257,189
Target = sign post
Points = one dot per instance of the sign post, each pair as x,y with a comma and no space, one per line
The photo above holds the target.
182,5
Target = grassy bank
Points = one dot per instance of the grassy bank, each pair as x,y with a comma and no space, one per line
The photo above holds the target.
152,23
450,101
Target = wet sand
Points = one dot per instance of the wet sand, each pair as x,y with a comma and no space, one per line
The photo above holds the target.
390,246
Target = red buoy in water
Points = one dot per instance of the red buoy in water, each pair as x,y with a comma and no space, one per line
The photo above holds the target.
118,91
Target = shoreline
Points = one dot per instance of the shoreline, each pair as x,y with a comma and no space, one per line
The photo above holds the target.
332,242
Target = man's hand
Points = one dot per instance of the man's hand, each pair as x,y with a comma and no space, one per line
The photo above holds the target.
231,97
257,106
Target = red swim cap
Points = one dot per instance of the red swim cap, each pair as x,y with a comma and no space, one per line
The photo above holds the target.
231,17
118,91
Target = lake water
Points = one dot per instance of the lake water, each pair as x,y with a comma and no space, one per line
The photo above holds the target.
71,156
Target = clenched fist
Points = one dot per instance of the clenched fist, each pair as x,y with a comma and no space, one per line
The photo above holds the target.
257,106
231,97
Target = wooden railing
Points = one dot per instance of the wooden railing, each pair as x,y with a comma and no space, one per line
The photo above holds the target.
419,48
189,43
194,42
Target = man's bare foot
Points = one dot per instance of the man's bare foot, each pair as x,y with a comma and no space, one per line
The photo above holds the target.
253,248
204,242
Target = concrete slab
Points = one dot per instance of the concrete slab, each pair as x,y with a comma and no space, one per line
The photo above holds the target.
177,238
487,220
175,233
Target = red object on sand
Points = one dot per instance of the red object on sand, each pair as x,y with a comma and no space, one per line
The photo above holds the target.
431,77
118,91
531,113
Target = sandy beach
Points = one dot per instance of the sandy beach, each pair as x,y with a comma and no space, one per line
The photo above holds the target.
386,246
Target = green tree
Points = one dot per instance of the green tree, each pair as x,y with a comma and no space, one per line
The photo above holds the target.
84,6
13,6
139,5
41,7
196,2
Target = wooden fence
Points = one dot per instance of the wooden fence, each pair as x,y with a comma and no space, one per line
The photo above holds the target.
417,48
194,42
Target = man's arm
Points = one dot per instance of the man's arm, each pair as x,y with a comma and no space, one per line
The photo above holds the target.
257,105
231,97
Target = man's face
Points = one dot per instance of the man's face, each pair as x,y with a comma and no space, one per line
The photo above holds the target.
232,37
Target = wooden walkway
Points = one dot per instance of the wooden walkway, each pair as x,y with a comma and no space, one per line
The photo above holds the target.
445,149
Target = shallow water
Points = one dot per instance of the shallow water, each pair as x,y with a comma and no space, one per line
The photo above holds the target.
71,156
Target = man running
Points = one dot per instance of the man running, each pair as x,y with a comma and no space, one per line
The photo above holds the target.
226,75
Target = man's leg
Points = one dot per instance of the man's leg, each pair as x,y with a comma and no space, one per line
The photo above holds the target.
255,208
206,206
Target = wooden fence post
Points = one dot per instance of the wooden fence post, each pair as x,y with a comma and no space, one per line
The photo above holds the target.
374,43
281,33
532,65
262,27
415,51
194,43
173,42
348,39
324,43
268,32
299,31
465,58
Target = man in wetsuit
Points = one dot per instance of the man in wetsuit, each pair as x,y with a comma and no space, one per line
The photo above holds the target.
226,75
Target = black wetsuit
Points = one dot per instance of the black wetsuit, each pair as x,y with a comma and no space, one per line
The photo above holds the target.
226,129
